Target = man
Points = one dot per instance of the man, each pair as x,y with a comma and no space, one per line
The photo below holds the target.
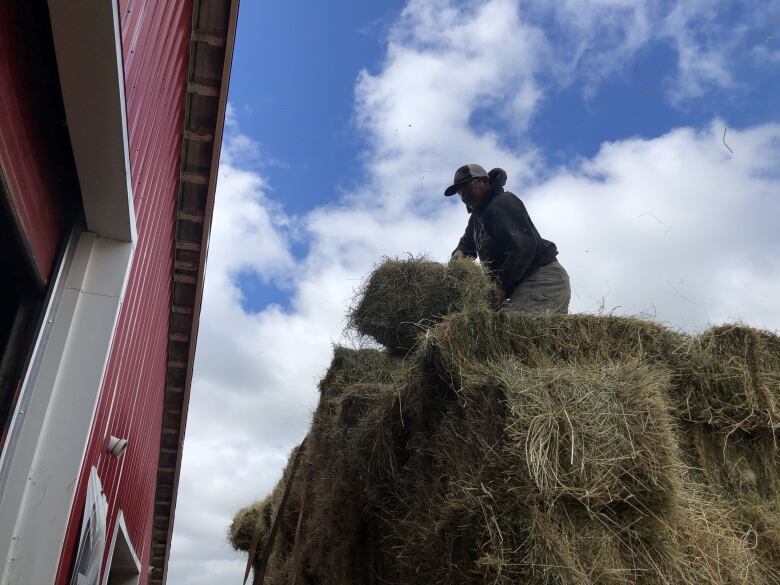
522,264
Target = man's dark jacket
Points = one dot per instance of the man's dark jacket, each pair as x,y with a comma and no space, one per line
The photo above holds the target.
504,237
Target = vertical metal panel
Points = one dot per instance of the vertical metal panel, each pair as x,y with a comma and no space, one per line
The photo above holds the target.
155,40
29,160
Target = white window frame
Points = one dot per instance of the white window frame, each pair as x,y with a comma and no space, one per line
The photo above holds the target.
92,538
131,566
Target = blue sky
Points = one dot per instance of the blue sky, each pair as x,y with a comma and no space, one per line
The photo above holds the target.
347,121
296,64
292,85
294,70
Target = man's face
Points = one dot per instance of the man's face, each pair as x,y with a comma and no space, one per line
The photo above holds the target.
473,192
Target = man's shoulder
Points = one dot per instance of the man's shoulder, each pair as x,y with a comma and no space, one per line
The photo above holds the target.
506,199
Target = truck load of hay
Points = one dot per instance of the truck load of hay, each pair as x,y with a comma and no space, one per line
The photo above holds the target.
486,446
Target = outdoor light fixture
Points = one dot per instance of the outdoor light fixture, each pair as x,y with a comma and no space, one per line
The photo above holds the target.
116,446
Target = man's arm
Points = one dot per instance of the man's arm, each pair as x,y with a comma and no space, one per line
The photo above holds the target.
508,223
466,246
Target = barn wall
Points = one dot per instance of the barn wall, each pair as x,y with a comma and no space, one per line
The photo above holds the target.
155,40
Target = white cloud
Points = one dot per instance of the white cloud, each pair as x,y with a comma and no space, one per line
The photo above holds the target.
593,39
703,49
590,40
674,225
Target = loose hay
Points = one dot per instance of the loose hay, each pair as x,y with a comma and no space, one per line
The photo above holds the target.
546,450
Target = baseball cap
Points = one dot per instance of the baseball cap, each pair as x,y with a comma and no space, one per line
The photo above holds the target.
463,175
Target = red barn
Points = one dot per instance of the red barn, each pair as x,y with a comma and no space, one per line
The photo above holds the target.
111,120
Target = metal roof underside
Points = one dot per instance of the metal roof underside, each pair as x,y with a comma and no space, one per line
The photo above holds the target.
210,58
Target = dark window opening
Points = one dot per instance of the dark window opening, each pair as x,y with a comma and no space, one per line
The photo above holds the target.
21,299
23,286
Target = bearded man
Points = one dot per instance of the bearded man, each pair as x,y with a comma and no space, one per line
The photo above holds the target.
522,264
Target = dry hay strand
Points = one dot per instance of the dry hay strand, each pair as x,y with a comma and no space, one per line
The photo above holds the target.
731,378
598,434
403,297
761,524
715,544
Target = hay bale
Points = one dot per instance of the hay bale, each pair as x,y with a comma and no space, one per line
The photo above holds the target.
468,498
463,504
358,366
599,434
727,377
352,412
247,520
694,545
282,562
464,340
742,465
404,297
346,455
730,378
744,469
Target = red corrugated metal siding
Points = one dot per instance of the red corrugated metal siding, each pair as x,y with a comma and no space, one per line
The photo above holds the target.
155,41
31,176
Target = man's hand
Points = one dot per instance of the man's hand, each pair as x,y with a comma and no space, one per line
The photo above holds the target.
496,296
500,292
457,255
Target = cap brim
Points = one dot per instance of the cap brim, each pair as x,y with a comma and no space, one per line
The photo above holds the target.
452,189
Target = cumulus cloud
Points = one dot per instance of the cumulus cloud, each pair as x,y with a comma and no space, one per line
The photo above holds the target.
675,226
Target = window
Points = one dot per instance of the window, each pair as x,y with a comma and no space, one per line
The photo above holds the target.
21,299
92,541
123,565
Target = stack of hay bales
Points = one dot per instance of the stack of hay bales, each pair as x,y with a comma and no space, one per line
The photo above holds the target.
487,446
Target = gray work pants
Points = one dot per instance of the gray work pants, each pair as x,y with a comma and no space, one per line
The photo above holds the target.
545,289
